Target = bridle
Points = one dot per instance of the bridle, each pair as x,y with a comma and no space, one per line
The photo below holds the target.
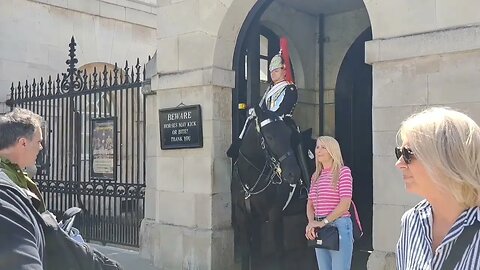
271,168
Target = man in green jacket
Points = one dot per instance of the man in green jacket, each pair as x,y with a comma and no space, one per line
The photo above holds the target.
23,241
30,237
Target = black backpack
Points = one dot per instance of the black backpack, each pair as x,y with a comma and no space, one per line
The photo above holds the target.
61,251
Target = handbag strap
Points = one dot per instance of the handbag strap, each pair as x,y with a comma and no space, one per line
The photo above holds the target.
459,247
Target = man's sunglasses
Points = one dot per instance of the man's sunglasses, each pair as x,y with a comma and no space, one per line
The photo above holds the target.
406,153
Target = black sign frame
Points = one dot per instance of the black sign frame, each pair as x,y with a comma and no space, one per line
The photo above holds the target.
190,127
110,122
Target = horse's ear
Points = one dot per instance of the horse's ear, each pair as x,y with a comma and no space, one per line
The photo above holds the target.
307,133
234,148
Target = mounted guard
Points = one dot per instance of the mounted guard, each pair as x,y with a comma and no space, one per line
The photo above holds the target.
270,171
281,96
279,99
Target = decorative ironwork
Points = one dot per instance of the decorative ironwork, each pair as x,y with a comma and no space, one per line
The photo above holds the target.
134,191
77,82
113,207
72,80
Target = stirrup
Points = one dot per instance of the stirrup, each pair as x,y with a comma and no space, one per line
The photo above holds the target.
303,193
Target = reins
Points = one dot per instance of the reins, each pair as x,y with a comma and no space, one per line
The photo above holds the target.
271,163
251,190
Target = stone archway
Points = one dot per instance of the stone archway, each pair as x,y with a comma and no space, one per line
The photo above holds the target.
253,15
187,215
229,30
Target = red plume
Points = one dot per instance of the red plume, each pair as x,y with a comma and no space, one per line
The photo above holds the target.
286,59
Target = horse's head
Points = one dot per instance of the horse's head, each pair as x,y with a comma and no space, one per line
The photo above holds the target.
277,139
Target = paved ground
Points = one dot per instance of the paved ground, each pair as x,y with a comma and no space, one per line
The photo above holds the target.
129,259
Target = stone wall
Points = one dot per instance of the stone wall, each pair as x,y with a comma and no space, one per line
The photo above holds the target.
389,17
411,73
35,35
341,30
187,222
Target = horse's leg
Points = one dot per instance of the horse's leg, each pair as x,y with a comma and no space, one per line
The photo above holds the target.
243,225
276,223
240,226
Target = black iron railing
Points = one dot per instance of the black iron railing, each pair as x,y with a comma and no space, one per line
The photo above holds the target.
94,146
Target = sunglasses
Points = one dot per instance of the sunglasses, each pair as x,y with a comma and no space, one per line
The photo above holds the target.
406,153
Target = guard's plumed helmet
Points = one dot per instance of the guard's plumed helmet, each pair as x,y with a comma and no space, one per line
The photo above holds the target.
276,62
282,60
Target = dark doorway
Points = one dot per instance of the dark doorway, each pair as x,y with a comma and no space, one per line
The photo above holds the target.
353,129
247,63
256,45
353,106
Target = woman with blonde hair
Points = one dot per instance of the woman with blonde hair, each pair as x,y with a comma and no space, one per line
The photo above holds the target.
329,202
439,158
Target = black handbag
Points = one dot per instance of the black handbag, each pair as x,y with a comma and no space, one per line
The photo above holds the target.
327,238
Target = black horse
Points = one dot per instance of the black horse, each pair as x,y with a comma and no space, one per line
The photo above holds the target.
270,181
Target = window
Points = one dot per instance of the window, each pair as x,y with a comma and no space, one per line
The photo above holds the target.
268,48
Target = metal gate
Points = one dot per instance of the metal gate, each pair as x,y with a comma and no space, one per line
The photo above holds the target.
94,146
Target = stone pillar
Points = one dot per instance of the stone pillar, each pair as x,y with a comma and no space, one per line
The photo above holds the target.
188,207
431,60
187,222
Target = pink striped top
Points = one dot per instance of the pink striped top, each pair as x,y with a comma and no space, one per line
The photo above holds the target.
324,197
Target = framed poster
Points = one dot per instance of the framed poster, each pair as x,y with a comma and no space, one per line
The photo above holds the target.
181,127
103,148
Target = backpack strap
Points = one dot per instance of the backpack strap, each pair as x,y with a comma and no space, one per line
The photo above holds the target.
356,224
458,249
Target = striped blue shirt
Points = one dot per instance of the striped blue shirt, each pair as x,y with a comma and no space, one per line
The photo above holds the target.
414,248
